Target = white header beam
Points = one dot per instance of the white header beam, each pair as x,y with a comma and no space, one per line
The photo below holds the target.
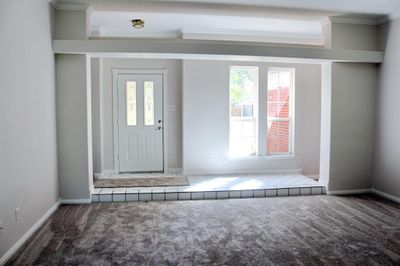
211,49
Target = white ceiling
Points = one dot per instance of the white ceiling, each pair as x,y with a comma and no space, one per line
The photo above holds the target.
204,26
284,21
372,7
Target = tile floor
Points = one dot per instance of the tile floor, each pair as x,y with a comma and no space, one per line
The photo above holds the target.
217,187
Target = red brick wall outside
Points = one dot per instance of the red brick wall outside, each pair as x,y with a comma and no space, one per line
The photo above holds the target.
278,132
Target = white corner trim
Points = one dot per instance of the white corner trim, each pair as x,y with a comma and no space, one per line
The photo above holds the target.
349,191
386,195
76,201
28,234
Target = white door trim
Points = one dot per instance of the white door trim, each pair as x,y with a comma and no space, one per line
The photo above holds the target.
163,72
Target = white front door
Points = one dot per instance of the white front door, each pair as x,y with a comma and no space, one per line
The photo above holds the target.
140,122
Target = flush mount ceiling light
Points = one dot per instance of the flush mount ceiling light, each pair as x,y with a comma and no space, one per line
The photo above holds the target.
137,23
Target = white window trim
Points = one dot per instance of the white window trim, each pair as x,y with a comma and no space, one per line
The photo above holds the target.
291,118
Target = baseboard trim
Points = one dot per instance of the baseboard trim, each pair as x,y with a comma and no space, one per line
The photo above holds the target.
386,195
75,201
29,233
239,172
349,191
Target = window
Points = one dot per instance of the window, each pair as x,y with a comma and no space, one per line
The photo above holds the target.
149,103
243,110
279,110
131,103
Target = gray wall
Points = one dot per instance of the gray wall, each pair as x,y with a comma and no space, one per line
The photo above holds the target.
74,129
71,25
387,144
352,126
28,158
206,119
353,36
105,117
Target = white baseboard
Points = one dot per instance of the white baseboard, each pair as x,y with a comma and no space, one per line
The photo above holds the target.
75,201
386,195
243,172
349,191
28,234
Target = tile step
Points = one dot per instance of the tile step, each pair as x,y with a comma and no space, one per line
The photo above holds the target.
166,194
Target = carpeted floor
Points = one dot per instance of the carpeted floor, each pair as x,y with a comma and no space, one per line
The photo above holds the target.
311,230
164,181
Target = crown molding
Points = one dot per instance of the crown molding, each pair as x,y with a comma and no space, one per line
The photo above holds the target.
355,20
388,18
252,36
68,5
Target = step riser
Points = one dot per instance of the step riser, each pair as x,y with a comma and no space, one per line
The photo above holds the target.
117,196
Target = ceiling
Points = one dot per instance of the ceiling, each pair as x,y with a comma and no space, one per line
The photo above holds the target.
283,21
206,26
371,7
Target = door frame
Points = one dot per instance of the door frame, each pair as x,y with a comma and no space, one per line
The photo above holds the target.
164,73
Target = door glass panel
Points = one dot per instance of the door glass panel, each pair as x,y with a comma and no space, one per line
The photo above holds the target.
131,103
149,103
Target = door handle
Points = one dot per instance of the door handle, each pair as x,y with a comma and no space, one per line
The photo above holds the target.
158,128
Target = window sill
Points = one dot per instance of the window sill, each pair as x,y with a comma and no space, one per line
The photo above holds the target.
280,157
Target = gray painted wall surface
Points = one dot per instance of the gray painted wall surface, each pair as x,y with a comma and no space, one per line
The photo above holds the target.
354,37
73,123
352,125
106,105
71,25
387,144
28,156
206,119
72,126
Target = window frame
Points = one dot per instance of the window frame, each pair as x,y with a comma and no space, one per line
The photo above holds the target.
256,111
290,119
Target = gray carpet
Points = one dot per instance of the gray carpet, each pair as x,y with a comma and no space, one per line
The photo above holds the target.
311,230
164,181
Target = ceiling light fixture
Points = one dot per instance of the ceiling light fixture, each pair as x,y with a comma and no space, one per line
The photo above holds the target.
137,23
